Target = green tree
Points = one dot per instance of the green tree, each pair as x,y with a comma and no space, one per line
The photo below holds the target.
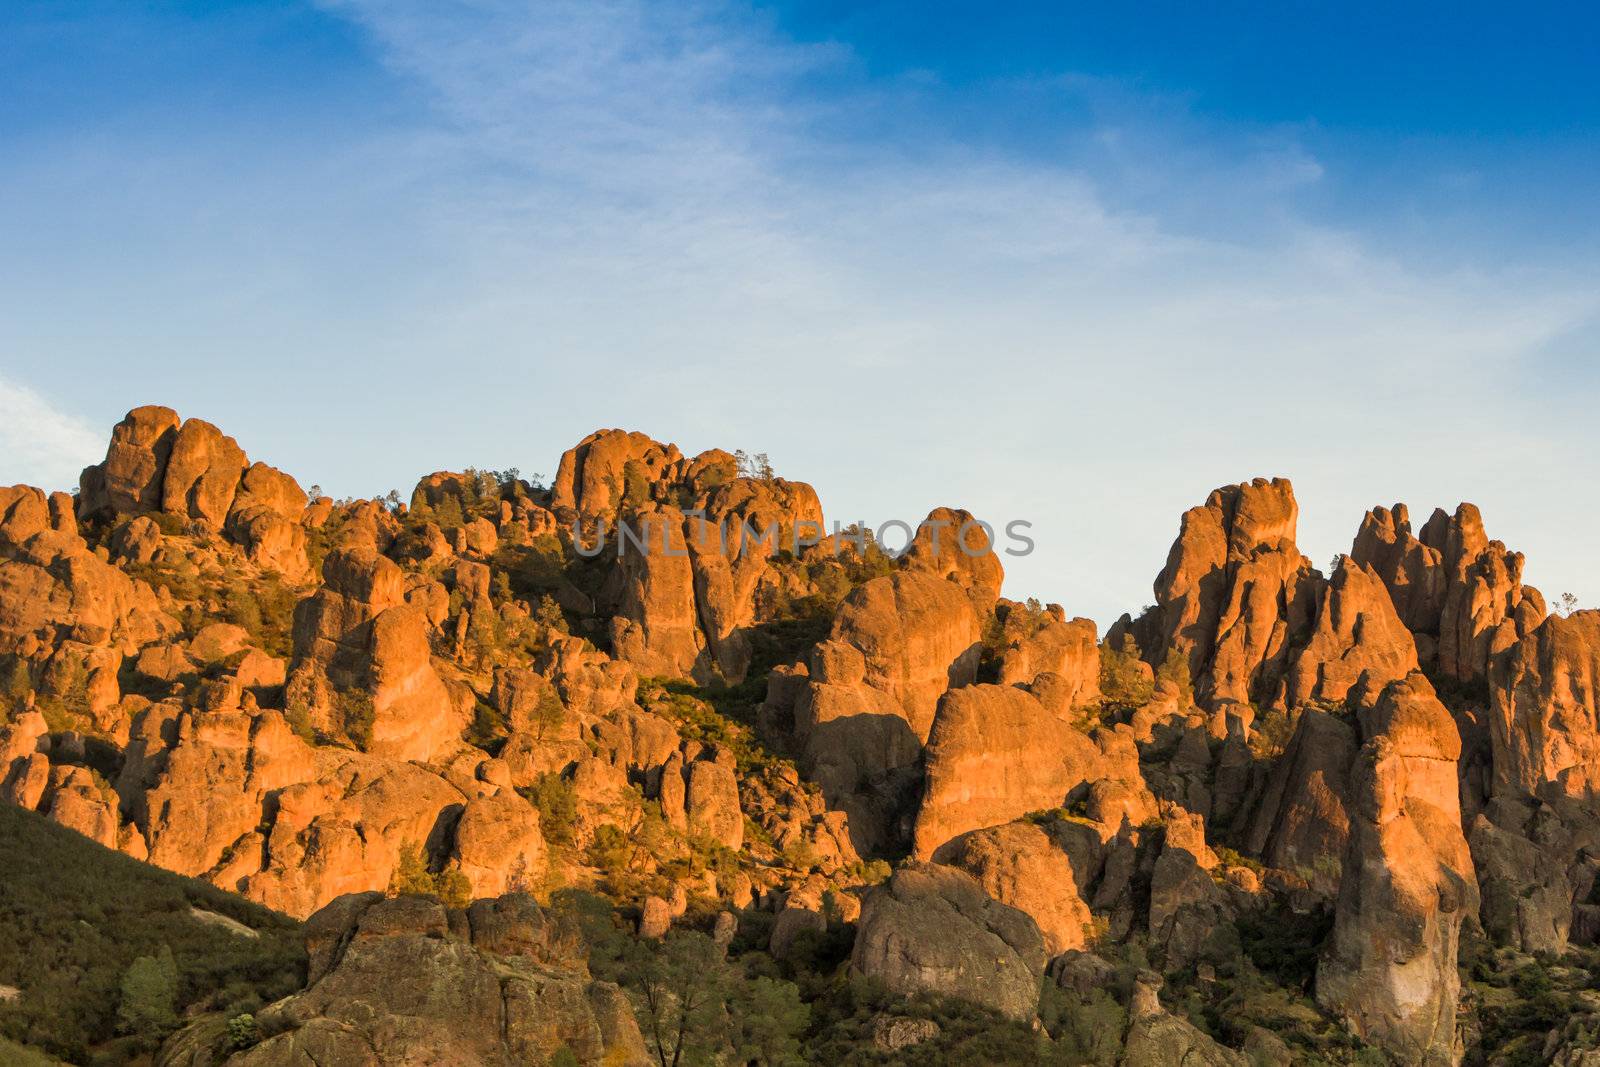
149,995
549,614
453,888
358,715
609,850
766,1019
558,807
549,713
243,1031
411,875
680,986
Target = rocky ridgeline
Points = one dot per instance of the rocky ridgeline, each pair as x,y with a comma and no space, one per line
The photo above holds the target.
293,697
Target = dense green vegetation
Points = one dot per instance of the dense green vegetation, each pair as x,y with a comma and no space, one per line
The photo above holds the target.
107,953
699,1004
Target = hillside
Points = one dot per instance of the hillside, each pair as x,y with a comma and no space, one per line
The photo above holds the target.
661,704
74,917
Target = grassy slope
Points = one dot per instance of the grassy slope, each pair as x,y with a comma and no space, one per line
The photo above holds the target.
74,916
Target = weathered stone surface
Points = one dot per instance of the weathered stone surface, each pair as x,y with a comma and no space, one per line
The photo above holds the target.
1019,865
1545,695
75,800
997,754
394,987
1389,967
198,781
1157,1039
1303,821
1358,639
343,832
267,487
129,480
1461,593
271,541
356,635
53,588
1235,596
415,715
1035,644
711,802
655,628
191,470
1186,904
907,635
498,842
1526,896
862,710
202,473
932,928
746,523
593,477
655,917
952,544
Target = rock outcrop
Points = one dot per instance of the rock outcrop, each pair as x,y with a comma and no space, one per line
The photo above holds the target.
363,666
1389,967
1159,1039
1019,865
1461,593
1034,643
995,754
865,701
932,928
1236,596
1545,694
1358,640
400,981
158,464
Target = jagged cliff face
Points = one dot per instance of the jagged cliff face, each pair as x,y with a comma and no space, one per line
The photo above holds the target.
295,698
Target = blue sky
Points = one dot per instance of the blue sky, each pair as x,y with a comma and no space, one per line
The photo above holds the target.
1077,264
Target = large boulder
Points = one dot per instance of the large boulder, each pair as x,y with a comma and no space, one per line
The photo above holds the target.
862,705
498,844
1389,966
129,480
1019,865
996,754
397,982
933,929
952,544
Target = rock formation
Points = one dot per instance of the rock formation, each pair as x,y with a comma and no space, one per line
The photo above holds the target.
730,708
1390,964
399,981
1235,597
1461,593
932,928
995,754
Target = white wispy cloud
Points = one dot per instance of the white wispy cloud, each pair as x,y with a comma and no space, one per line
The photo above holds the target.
40,443
1090,340
671,217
